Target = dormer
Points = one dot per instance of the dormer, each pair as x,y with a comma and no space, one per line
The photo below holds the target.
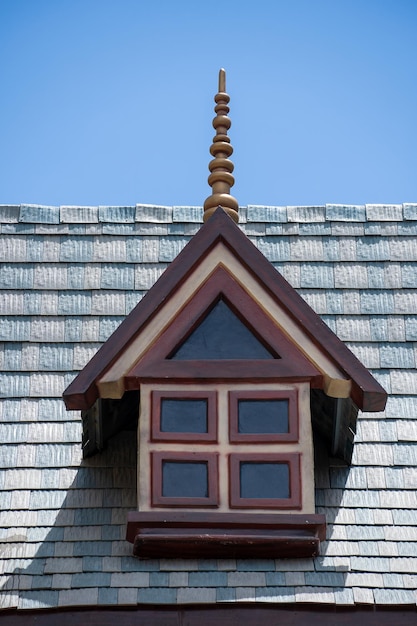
229,371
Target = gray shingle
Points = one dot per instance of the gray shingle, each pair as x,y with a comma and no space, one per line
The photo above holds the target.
169,248
78,597
150,213
306,213
95,579
373,454
198,595
314,594
403,249
377,302
403,381
266,214
156,596
38,599
14,385
405,301
116,213
225,594
207,579
394,596
274,594
410,211
314,276
130,579
118,229
345,213
108,596
305,249
16,276
396,329
350,276
9,213
275,249
134,252
394,477
13,249
76,249
314,228
187,214
50,277
117,277
384,212
109,250
39,214
150,229
147,275
79,214
373,249
255,229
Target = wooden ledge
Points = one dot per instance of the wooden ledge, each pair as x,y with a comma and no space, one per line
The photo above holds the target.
225,535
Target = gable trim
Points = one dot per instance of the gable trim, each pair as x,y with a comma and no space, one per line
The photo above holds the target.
292,364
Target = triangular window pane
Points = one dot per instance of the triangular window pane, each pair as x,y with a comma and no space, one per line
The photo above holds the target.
222,335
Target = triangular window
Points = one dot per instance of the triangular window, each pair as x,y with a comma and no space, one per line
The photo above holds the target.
221,335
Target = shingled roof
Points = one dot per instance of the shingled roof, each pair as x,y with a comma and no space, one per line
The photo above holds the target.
70,275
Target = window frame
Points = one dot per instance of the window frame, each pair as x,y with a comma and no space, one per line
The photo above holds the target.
292,436
159,500
293,459
157,434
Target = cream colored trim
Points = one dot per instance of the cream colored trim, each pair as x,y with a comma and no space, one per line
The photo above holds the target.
304,445
111,384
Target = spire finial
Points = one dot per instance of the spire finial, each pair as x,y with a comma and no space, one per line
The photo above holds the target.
221,168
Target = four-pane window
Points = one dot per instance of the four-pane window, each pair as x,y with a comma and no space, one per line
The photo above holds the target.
188,477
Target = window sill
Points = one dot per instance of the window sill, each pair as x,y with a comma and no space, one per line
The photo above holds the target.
225,535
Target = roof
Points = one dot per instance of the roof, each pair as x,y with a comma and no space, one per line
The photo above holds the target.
70,276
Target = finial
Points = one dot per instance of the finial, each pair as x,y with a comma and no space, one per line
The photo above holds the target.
221,168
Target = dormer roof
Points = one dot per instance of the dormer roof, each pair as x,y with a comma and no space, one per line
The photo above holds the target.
220,244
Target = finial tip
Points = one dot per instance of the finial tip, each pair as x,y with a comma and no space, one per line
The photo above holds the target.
222,80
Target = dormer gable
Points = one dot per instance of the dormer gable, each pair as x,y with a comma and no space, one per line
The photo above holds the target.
229,369
220,246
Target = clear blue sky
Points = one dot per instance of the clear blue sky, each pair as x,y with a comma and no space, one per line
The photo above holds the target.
110,102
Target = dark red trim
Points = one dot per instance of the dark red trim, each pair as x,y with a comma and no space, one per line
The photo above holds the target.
244,614
260,394
159,500
292,459
158,435
367,393
225,535
292,364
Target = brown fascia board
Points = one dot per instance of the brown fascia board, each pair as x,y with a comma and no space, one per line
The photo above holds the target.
367,393
222,614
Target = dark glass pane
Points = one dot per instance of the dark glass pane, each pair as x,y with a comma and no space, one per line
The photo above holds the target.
264,480
183,416
221,335
263,416
184,479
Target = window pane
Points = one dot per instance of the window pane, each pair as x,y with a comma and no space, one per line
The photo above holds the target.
222,335
262,416
184,479
183,416
264,480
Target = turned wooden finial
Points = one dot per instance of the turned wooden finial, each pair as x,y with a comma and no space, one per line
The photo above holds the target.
221,168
